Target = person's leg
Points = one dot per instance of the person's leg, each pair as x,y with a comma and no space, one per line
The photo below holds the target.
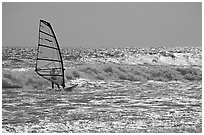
58,86
52,85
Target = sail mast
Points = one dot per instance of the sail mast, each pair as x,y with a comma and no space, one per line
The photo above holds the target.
38,47
63,84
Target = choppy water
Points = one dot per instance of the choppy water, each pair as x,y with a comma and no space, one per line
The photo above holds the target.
106,107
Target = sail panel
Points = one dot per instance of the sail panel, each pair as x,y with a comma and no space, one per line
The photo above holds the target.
49,57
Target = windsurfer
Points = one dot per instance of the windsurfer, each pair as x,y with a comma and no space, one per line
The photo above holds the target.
53,77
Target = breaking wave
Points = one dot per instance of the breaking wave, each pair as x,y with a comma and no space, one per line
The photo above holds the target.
22,79
134,72
107,72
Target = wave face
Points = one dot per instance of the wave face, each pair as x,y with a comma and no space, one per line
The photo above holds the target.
28,78
22,79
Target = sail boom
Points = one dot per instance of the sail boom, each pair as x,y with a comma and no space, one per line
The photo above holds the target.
43,69
48,59
49,75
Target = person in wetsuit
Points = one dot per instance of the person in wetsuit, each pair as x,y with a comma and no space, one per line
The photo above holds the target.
52,73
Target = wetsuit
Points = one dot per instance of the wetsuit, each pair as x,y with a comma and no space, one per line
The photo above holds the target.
52,72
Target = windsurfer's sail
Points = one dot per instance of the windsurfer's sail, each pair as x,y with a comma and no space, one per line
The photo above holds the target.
49,62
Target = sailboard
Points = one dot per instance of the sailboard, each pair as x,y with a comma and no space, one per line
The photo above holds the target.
49,62
70,87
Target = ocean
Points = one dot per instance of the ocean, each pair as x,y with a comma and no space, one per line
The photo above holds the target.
110,97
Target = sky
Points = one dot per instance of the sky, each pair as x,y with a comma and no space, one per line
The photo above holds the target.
101,24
